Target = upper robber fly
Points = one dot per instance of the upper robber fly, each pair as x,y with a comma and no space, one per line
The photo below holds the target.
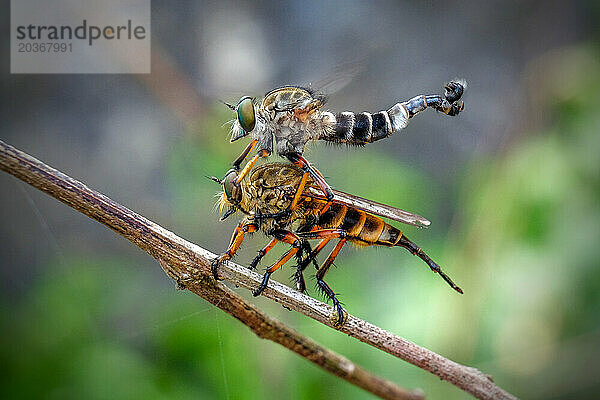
293,116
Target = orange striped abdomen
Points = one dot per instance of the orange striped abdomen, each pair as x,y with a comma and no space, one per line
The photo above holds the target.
362,228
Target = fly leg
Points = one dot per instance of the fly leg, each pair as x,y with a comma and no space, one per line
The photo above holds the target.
238,161
416,250
311,257
304,246
261,154
298,276
301,162
234,244
286,237
262,252
341,315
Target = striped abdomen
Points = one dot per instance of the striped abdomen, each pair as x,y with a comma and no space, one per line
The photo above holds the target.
363,128
362,228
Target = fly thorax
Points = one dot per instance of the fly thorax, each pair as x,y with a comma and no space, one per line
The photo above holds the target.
248,194
285,146
290,138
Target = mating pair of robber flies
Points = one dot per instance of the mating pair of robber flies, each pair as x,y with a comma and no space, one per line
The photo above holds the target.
292,203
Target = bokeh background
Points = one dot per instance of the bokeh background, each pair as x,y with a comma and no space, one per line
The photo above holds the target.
512,186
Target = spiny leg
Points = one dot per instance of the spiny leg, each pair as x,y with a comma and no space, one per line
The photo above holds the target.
317,233
416,250
298,276
311,257
341,313
234,244
326,235
286,237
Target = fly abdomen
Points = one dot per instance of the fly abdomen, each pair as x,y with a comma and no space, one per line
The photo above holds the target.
389,235
364,229
362,128
360,227
338,216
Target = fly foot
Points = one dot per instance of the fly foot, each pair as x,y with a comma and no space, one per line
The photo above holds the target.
214,265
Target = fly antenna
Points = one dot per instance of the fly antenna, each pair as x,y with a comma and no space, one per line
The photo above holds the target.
214,178
232,108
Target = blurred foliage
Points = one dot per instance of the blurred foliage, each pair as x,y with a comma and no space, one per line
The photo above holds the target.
523,244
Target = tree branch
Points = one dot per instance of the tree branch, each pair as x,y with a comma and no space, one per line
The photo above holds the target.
189,265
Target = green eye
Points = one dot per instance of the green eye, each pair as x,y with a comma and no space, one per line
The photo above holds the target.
231,190
228,189
245,114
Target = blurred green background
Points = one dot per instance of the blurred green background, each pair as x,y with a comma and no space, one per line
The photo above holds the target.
512,187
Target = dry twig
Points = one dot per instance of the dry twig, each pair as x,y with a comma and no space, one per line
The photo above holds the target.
189,265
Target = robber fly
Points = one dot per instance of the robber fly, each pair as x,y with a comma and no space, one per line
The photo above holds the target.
293,116
279,199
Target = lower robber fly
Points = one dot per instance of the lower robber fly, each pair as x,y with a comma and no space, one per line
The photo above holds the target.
293,116
285,203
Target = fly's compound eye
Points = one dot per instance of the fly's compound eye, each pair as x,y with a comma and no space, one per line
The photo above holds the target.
245,114
231,188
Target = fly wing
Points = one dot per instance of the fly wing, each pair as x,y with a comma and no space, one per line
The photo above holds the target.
372,207
338,77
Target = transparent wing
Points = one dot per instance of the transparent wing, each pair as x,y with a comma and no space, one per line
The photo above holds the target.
372,207
338,77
